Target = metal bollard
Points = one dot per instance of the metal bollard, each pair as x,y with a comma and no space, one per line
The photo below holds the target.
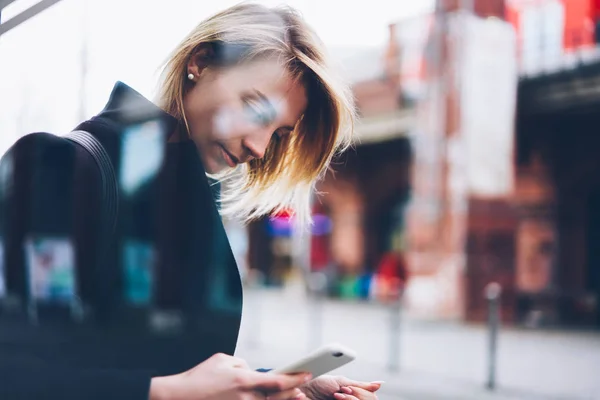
493,292
395,306
254,281
395,323
317,286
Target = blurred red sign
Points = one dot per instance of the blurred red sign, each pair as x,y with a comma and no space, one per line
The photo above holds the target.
548,30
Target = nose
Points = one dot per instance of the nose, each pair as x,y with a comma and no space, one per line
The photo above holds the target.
256,144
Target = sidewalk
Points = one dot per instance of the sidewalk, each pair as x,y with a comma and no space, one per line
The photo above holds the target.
438,360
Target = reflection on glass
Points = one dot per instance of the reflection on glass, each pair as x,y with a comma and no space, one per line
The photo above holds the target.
142,155
219,296
50,269
138,259
6,169
2,269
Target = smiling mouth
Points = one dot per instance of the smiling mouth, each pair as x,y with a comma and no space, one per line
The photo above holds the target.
230,159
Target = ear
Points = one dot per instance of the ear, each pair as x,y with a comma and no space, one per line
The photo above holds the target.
201,58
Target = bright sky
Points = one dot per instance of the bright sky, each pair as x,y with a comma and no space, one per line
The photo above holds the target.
128,39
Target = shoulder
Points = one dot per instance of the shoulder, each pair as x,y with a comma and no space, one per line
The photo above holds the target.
48,156
45,148
39,143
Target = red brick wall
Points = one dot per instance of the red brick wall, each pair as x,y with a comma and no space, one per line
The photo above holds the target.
483,8
491,254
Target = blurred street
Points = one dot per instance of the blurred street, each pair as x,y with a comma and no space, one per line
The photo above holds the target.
438,360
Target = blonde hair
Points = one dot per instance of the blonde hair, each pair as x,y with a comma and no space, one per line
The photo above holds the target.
285,176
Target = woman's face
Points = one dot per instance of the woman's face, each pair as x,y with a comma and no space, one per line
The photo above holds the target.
233,113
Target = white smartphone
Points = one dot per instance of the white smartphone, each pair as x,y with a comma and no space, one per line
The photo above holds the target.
321,361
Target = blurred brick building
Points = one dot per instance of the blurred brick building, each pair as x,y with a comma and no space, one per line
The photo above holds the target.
517,205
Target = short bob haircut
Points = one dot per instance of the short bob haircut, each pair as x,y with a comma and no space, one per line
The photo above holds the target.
285,177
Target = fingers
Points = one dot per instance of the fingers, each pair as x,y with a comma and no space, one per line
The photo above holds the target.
355,393
370,386
361,393
341,396
373,386
290,394
274,382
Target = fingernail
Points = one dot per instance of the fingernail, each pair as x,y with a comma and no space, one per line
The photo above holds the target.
377,382
307,377
346,390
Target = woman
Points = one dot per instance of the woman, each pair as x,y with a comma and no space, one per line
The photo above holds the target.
246,98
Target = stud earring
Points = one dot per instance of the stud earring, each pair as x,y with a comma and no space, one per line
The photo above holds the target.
191,77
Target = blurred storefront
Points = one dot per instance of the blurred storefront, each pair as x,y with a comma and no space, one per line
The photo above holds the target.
554,202
365,195
557,177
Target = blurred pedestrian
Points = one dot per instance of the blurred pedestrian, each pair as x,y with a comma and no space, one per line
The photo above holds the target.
391,276
247,98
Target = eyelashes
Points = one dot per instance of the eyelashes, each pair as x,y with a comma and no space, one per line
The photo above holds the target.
262,111
259,108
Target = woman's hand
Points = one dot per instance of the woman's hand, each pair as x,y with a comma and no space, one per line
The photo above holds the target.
224,377
355,393
326,386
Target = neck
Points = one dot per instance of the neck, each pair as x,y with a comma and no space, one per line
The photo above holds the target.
178,135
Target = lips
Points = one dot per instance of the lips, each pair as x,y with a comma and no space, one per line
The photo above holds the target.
229,158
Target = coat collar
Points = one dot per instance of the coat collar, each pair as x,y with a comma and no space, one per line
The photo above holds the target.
127,106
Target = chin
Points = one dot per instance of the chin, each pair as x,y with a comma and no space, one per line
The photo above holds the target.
212,167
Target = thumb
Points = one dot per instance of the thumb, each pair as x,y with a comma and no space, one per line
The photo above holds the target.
274,382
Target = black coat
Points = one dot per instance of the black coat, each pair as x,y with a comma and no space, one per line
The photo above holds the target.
51,190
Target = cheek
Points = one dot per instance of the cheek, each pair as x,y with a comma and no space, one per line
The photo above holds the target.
224,122
192,107
199,121
231,122
199,108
